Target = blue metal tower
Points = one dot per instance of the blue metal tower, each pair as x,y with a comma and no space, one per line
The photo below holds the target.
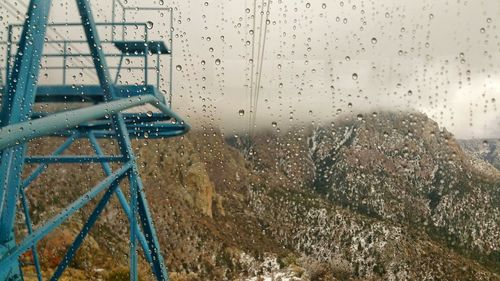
20,122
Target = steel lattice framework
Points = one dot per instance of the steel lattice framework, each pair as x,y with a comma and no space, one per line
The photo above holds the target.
20,123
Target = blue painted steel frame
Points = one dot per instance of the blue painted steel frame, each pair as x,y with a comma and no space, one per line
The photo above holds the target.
18,99
17,103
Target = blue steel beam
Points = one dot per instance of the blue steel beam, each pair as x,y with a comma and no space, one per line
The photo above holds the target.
24,131
28,242
29,226
17,103
70,253
41,168
72,159
147,224
129,118
69,93
133,272
136,134
121,197
123,137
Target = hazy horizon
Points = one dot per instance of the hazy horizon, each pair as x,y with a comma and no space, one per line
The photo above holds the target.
323,59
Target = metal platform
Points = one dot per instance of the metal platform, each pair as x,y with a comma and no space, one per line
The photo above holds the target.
139,47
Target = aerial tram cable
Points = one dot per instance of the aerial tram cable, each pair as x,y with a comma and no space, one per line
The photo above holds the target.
257,66
252,73
261,62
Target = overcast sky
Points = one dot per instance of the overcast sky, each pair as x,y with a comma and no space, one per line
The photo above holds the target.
438,57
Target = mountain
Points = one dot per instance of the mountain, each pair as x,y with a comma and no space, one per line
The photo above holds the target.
387,196
487,150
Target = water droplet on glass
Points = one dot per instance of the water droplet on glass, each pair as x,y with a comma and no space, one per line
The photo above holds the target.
178,67
149,24
217,61
354,76
374,41
241,112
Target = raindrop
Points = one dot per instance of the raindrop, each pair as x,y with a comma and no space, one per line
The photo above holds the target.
149,25
374,41
323,5
217,61
178,67
354,76
308,5
149,113
241,112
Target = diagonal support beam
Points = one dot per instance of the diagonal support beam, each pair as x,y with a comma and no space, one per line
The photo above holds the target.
123,137
121,197
29,226
40,233
70,253
41,168
149,229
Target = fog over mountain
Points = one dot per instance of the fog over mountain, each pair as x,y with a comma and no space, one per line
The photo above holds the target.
437,57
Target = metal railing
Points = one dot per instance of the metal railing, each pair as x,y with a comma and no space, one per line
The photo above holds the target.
66,49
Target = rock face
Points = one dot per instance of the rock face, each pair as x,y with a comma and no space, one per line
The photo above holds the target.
487,150
199,188
386,197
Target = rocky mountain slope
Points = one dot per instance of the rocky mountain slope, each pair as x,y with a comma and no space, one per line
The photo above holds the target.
380,197
487,150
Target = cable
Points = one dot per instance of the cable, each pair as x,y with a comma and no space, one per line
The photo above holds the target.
252,73
256,89
261,63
